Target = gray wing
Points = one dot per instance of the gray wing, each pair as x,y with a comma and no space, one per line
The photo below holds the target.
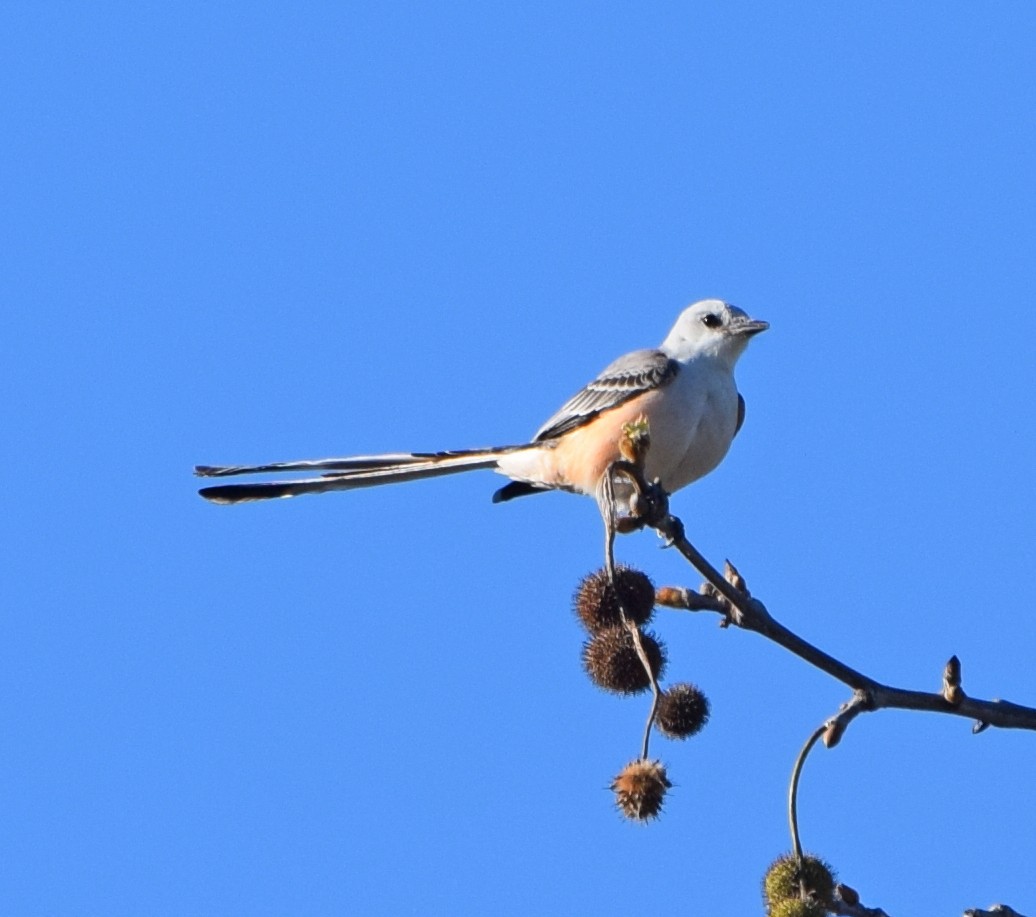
629,376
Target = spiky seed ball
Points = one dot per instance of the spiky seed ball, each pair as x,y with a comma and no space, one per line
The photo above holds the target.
682,711
782,879
640,789
598,607
610,659
796,907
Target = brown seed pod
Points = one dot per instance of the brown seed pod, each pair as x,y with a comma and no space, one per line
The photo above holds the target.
640,789
596,603
682,711
610,659
782,881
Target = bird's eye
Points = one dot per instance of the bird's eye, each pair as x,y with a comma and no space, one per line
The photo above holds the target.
711,320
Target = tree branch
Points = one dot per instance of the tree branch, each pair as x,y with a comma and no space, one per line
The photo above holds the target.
742,610
727,595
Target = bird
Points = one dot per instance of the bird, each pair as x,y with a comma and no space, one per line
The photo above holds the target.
684,389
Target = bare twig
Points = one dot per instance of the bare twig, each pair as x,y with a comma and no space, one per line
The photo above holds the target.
749,613
793,792
656,691
635,449
650,508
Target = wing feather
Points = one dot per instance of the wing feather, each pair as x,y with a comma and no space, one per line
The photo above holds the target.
630,375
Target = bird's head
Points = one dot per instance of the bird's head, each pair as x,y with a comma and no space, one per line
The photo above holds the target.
714,328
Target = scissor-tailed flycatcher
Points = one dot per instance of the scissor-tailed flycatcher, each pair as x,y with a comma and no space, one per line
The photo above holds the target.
684,390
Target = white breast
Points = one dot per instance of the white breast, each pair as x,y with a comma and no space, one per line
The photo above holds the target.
694,426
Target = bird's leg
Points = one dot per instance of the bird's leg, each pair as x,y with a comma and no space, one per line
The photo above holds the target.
648,502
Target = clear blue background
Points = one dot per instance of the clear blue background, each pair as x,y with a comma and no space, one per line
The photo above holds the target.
249,232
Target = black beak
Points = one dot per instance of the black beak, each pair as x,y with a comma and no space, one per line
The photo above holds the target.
747,327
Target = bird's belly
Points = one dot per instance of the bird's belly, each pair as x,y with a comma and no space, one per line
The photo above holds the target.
694,439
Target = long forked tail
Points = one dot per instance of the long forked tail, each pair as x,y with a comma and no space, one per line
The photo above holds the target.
346,473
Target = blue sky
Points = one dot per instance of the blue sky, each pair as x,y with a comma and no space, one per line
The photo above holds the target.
254,233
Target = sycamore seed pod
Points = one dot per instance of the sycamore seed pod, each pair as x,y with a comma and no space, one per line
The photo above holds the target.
611,660
640,789
682,711
783,881
597,605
